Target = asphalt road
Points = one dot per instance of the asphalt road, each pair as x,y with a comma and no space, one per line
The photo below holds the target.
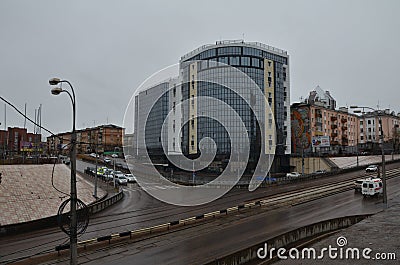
205,242
138,210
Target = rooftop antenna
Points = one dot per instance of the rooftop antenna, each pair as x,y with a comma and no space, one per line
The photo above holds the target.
243,37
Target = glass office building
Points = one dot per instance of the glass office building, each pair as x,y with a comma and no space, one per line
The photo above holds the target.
267,66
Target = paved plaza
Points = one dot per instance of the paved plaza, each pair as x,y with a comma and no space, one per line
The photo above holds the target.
26,192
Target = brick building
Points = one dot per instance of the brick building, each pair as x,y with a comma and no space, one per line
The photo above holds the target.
107,138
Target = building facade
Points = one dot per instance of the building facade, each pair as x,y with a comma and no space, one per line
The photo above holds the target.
100,139
370,131
18,141
312,121
265,66
348,133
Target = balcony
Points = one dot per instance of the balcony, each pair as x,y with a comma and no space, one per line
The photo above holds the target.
333,135
333,118
344,128
334,143
344,120
333,126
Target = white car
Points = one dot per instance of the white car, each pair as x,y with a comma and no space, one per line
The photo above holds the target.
93,155
121,180
107,160
293,175
371,168
358,184
114,155
131,178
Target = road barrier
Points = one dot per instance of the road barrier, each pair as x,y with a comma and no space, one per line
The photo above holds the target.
249,254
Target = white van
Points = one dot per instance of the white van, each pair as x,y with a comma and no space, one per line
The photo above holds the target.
371,187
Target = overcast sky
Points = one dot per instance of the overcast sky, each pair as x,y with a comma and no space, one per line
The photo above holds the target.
106,49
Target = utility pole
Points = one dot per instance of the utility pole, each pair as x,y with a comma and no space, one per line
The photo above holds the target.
95,174
73,234
302,160
383,163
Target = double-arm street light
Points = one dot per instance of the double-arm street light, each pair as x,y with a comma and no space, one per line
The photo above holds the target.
382,149
73,196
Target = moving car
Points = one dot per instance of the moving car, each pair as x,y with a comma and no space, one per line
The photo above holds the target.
372,187
106,160
358,184
121,180
131,178
371,168
293,175
114,155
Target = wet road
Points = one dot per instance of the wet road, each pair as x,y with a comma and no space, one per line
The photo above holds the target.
205,242
138,210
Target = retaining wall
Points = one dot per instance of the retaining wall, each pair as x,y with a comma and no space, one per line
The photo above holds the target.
52,220
250,254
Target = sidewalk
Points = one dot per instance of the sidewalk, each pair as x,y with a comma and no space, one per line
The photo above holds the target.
351,161
380,233
26,192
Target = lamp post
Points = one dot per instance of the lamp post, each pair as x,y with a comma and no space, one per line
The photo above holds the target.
382,150
73,196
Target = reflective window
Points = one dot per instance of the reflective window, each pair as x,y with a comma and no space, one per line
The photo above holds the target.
255,62
234,60
223,60
246,61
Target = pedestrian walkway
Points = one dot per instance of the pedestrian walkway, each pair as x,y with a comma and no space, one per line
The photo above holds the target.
351,161
380,233
26,191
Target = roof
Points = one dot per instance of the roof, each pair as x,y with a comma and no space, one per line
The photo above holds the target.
230,43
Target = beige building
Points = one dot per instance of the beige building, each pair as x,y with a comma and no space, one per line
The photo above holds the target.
369,135
107,138
348,133
311,121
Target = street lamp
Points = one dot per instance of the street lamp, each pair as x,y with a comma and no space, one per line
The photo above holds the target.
73,196
382,150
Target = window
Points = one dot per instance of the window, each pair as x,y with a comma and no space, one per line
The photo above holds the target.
245,61
255,62
223,60
234,60
269,63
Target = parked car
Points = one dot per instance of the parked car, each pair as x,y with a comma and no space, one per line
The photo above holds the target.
118,174
131,178
371,168
93,155
121,180
318,172
293,175
90,171
106,160
114,155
